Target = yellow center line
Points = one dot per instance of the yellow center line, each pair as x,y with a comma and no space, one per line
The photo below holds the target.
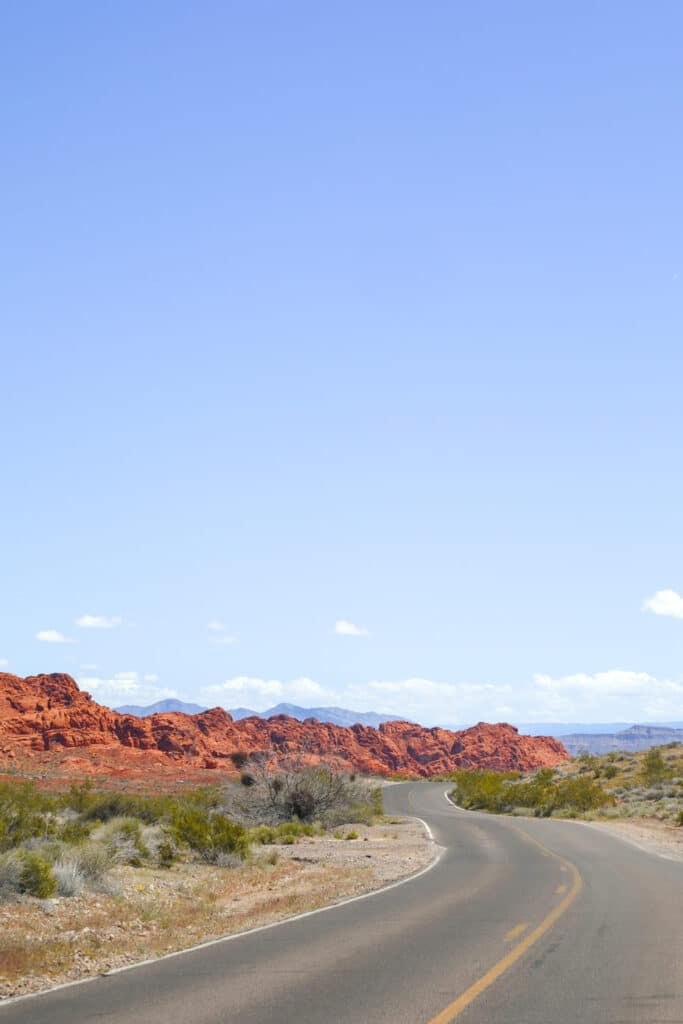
517,930
561,888
455,1008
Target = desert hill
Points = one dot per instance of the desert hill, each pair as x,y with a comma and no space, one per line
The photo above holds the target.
44,716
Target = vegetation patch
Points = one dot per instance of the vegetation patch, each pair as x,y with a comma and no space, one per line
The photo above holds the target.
616,785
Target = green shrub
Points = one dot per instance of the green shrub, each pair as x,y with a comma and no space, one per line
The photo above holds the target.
351,835
263,834
210,835
36,877
73,831
501,792
25,814
654,766
166,854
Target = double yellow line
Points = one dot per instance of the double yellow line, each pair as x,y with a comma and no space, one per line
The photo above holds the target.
455,1008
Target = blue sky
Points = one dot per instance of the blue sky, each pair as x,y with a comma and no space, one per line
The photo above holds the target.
364,313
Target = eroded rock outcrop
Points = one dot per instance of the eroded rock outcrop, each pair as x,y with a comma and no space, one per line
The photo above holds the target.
46,715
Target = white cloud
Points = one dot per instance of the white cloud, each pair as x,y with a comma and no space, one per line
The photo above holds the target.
613,683
53,636
262,693
215,626
124,688
99,621
343,627
613,695
421,700
665,602
151,678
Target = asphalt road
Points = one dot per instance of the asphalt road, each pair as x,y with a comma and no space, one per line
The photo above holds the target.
520,922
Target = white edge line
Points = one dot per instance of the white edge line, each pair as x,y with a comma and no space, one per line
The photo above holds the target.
239,935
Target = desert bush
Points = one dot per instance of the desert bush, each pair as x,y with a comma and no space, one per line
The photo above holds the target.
68,876
10,874
123,839
503,792
93,860
264,835
308,793
25,813
167,853
654,766
73,831
36,877
209,834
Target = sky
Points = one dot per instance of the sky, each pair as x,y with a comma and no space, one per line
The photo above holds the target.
341,355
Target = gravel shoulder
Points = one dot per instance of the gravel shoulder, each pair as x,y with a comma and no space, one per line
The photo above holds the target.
656,837
148,912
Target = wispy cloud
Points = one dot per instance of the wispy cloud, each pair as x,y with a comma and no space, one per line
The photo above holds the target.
121,687
217,629
219,635
665,602
613,695
343,627
99,621
263,692
53,636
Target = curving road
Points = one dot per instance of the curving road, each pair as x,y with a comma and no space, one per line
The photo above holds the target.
519,922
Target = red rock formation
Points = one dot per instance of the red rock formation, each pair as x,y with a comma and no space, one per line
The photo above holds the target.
43,716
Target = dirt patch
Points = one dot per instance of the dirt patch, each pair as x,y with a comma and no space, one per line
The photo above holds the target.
151,911
654,836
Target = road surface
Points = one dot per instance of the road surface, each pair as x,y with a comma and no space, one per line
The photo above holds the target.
520,922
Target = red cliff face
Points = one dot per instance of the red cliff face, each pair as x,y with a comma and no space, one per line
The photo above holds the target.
42,717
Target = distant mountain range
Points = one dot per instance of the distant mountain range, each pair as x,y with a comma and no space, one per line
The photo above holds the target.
337,716
583,728
638,737
162,707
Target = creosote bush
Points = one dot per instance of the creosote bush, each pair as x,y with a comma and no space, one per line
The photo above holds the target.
209,834
36,877
502,792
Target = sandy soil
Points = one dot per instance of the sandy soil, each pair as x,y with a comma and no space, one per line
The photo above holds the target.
149,912
656,837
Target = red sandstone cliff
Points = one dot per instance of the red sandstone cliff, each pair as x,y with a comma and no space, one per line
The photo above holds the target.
45,715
